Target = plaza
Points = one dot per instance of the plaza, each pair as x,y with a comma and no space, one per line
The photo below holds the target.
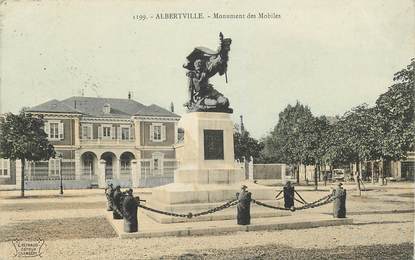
74,226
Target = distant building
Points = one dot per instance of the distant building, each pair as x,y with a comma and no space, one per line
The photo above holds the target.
102,140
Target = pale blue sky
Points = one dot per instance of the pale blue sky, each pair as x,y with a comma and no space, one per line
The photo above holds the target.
328,54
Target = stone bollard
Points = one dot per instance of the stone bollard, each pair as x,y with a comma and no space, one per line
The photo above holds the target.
339,203
116,203
288,195
244,206
109,193
130,205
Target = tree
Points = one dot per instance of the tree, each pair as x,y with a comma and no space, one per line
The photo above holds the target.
395,109
23,139
289,141
246,146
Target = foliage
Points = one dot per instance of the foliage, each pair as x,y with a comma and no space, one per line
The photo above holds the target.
246,146
22,138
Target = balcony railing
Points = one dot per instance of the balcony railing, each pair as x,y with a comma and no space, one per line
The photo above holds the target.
98,141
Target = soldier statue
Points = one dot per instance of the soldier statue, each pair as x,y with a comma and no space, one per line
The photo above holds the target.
202,64
288,195
244,206
109,193
116,205
339,204
130,205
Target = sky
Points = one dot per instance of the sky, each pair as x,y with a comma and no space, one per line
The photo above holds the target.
328,54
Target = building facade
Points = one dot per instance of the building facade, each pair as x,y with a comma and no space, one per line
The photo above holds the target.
101,140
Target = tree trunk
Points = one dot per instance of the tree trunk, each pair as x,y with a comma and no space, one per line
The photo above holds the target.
372,169
22,180
298,174
315,177
357,177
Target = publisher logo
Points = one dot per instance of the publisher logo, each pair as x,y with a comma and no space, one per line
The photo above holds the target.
28,248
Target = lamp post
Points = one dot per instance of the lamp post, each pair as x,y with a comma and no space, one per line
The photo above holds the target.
60,171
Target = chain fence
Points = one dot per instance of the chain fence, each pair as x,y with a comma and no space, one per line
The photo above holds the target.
317,203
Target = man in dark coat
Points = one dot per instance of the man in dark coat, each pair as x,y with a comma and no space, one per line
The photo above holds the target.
244,206
339,204
116,206
288,195
130,205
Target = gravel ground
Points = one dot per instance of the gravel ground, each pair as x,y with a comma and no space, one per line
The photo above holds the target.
387,252
73,227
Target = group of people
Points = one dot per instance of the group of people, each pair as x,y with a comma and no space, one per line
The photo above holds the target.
123,206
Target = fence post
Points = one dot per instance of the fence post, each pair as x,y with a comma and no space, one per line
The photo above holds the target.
244,206
339,203
251,169
288,195
135,178
101,174
18,174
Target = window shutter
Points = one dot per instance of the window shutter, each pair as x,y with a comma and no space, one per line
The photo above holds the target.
119,133
113,132
99,132
91,133
151,132
61,131
47,131
163,133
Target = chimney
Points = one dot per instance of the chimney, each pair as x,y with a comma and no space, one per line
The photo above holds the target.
172,107
129,95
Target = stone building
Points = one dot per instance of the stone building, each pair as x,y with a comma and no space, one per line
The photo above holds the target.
100,140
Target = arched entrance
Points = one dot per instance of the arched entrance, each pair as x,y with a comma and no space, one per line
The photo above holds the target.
125,163
110,161
89,165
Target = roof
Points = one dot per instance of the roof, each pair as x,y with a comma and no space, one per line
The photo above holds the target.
93,106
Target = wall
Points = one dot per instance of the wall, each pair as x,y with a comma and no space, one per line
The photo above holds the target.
145,134
268,171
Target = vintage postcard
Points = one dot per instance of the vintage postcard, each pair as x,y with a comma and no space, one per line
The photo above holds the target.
207,129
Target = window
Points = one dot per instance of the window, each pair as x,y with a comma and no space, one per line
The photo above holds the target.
86,131
4,168
157,163
125,133
106,132
54,167
54,129
157,132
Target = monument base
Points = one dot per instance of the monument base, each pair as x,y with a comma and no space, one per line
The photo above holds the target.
183,198
208,176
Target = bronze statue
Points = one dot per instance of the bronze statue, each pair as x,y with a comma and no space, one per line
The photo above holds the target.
244,206
202,64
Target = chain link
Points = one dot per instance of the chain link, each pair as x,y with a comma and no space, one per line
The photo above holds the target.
190,214
320,202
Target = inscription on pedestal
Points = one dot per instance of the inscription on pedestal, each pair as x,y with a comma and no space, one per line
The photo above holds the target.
213,140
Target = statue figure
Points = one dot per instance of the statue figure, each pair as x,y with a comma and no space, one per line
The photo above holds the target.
288,195
244,206
130,205
109,193
116,206
203,64
339,204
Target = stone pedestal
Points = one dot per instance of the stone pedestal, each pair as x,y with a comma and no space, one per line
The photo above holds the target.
208,175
